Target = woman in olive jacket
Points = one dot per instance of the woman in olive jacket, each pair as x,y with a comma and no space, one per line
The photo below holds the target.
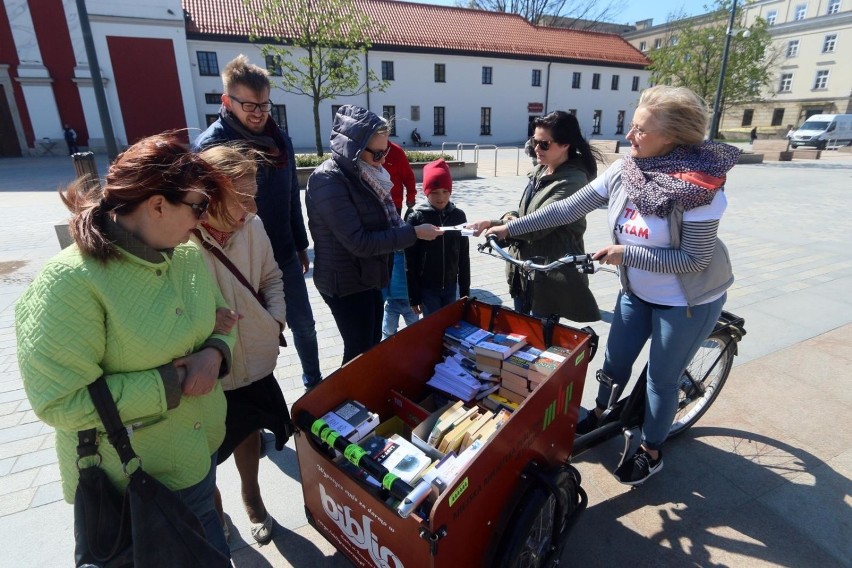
566,163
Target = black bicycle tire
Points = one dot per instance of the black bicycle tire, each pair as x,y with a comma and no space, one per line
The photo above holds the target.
727,343
526,516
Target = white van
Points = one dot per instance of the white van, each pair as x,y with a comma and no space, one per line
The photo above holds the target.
821,130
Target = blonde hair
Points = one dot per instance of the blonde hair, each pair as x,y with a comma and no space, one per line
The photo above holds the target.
234,162
678,112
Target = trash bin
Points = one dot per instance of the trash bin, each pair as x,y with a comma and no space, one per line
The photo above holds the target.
85,168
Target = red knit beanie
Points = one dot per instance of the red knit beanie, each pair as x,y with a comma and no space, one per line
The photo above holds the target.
436,175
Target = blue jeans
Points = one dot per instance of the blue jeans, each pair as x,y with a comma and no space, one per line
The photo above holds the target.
199,499
433,299
676,333
300,320
394,308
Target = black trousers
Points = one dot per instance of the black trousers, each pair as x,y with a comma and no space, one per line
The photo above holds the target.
359,320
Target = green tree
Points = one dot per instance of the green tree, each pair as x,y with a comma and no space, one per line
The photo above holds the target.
692,57
573,14
319,47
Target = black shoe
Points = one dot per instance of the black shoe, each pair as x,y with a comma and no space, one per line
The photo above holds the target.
588,423
638,468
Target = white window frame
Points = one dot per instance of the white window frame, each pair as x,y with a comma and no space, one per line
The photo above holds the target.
833,7
658,43
821,79
793,48
643,46
785,85
771,17
800,12
829,43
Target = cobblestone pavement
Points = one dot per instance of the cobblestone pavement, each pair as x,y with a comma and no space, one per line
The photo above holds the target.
784,226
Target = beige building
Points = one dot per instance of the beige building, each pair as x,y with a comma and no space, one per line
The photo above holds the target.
810,77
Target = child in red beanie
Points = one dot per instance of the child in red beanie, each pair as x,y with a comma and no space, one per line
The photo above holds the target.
439,270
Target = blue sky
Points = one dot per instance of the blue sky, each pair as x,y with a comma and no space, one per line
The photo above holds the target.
629,11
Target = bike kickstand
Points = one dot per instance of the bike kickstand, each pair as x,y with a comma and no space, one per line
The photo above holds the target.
628,439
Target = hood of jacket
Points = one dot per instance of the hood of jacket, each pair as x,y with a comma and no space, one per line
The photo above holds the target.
351,130
426,207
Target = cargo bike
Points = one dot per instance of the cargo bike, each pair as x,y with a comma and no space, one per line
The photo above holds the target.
512,505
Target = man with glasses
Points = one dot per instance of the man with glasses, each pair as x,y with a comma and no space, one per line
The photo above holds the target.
244,119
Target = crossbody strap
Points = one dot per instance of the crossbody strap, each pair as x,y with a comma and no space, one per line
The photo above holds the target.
221,257
108,411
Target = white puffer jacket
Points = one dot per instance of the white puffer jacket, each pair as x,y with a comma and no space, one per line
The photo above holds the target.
256,351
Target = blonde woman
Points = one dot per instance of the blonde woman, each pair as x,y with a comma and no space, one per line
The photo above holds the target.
239,255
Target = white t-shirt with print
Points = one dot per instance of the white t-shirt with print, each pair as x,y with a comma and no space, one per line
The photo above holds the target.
632,228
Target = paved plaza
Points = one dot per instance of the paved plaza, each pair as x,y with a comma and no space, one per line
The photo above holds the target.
762,480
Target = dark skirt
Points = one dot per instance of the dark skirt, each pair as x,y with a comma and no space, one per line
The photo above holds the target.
250,408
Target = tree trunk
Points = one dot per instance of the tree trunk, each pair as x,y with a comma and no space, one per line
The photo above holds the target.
317,136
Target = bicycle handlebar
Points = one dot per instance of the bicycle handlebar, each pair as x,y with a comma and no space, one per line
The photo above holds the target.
582,262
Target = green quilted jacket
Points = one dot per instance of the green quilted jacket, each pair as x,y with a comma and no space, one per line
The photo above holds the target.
126,319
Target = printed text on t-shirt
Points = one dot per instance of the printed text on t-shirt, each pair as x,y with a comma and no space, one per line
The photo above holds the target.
629,228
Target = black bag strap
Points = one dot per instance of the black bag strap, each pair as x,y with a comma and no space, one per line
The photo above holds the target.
108,411
87,442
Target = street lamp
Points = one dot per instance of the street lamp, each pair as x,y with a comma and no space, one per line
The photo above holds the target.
717,104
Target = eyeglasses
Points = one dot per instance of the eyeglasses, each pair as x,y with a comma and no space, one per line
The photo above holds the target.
639,132
198,208
543,144
378,154
250,107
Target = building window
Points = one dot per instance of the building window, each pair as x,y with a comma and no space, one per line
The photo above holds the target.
210,118
786,83
829,43
208,65
279,115
643,46
596,80
793,48
438,128
778,117
485,121
415,112
486,75
801,11
536,77
821,81
575,80
273,65
619,123
387,70
212,98
673,41
334,109
635,86
615,82
596,122
389,112
658,43
440,73
572,111
771,17
748,115
833,6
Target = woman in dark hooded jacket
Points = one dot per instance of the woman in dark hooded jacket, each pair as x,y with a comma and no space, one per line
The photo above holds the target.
356,228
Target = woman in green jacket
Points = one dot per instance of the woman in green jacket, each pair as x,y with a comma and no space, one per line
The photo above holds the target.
566,163
131,302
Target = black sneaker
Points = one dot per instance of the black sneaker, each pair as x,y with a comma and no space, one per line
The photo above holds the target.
638,468
588,423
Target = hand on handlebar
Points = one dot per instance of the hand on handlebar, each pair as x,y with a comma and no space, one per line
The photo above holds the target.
427,232
611,254
501,232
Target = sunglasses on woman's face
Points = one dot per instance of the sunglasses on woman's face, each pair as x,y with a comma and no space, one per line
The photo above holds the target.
543,144
378,154
198,208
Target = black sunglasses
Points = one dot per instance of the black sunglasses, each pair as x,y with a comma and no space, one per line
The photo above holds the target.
378,154
198,208
543,144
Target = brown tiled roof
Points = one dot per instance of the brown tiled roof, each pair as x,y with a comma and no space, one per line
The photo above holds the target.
421,27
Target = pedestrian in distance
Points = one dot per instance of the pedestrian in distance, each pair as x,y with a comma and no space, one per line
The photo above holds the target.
664,202
566,163
245,117
70,136
355,227
132,302
438,270
239,255
404,184
753,135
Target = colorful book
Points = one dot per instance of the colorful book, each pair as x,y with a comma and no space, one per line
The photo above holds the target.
522,360
466,333
352,420
501,345
495,402
511,395
550,359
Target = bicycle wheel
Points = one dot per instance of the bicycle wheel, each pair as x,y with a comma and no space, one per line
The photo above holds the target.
528,543
702,381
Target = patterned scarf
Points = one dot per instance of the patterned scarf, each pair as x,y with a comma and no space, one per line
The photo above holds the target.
381,183
689,175
271,142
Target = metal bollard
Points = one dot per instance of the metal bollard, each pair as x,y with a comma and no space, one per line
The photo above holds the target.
84,166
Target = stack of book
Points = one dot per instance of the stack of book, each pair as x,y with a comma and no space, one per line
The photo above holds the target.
500,345
518,377
352,420
458,427
548,362
461,337
452,378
